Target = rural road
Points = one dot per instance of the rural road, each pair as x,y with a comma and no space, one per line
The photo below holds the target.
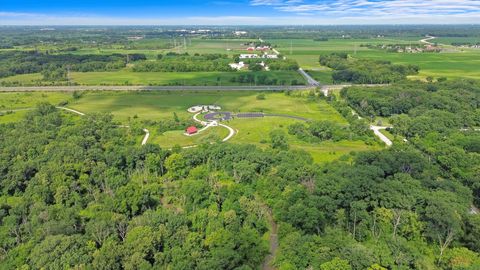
311,81
427,39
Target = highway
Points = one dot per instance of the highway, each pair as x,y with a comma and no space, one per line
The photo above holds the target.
149,88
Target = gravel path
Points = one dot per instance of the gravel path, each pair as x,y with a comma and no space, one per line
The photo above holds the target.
385,139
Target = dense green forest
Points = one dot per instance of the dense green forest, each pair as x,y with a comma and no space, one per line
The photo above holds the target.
442,119
82,193
173,62
55,66
365,71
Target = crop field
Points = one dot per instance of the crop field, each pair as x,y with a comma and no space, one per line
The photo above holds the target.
450,40
307,51
452,64
464,64
153,47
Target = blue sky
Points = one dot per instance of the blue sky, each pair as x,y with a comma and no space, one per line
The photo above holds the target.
218,12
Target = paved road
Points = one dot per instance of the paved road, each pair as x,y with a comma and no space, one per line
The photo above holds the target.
149,88
311,81
427,39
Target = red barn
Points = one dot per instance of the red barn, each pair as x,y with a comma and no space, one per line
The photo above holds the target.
191,130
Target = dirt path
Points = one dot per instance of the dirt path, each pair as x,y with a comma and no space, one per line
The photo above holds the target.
267,263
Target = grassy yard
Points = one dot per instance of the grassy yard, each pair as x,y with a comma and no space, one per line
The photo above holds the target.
173,138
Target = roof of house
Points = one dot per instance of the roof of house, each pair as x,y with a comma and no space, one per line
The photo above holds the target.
191,129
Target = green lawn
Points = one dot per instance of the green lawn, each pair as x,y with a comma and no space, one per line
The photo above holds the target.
172,138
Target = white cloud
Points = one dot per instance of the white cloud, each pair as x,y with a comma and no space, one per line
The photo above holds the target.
362,8
295,12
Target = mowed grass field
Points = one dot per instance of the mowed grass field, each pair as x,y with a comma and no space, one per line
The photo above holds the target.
161,105
14,106
138,106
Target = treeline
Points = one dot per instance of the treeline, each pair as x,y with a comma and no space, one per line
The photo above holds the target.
26,62
456,97
261,79
173,62
365,71
318,131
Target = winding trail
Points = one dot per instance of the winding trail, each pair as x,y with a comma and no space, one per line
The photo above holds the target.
145,138
147,135
230,135
273,240
71,110
212,123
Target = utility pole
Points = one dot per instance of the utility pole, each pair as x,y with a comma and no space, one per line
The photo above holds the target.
291,47
184,43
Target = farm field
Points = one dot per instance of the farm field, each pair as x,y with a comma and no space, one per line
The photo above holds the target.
307,51
151,49
455,64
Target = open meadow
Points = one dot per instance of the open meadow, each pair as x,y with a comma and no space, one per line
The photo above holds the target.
138,107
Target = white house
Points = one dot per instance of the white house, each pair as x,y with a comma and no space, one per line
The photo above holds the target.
237,66
248,56
270,56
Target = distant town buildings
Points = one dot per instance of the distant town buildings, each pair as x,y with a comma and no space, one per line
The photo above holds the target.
135,38
255,56
240,33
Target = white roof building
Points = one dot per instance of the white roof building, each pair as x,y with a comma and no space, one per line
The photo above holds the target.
248,56
237,66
